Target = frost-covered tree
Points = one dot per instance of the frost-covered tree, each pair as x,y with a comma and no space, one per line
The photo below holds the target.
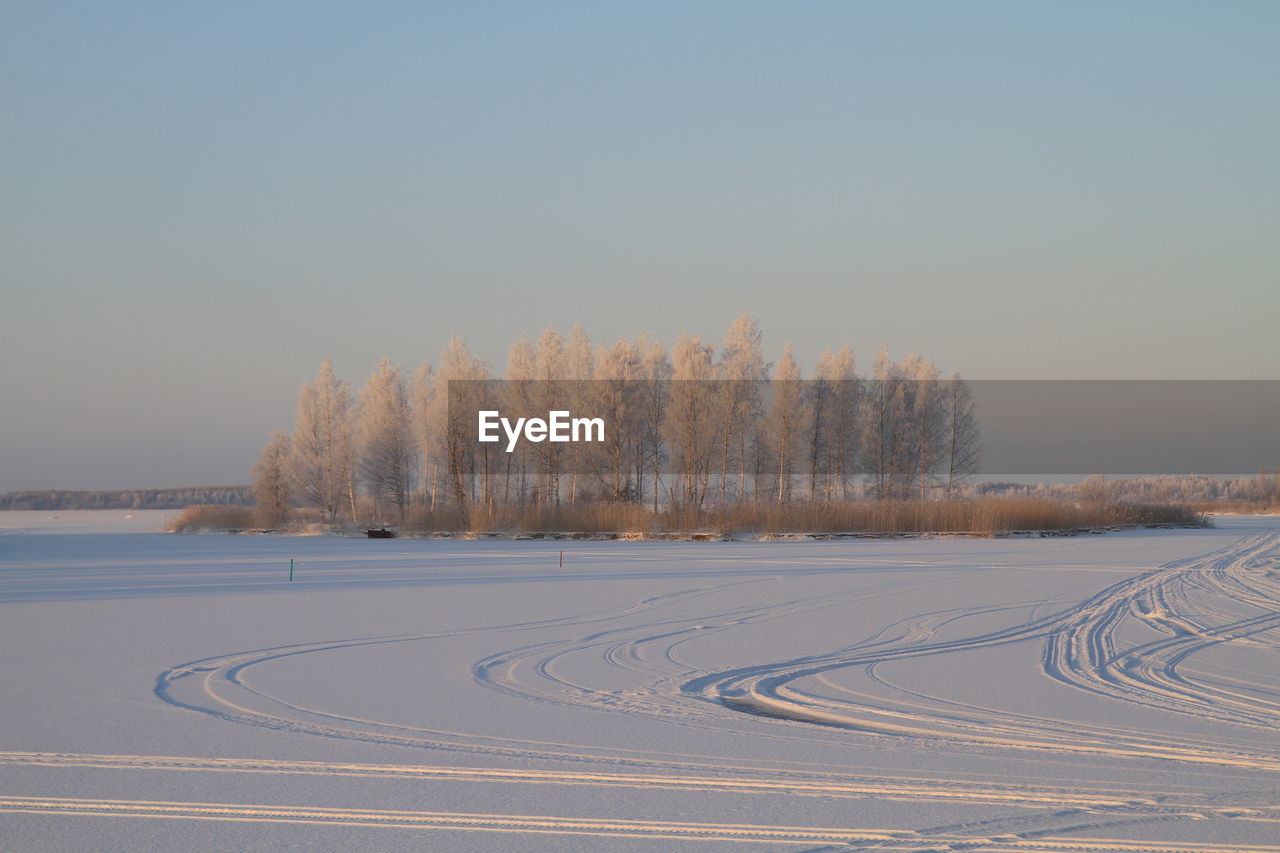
309,451
691,426
741,370
550,360
834,429
903,427
579,355
387,456
421,393
617,397
518,401
655,398
452,419
925,424
521,360
962,436
1095,489
578,395
551,368
882,416
271,482
321,451
1263,488
787,423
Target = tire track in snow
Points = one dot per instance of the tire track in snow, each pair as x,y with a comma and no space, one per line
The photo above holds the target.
1082,652
216,685
1196,603
1079,650
864,839
457,821
817,785
531,672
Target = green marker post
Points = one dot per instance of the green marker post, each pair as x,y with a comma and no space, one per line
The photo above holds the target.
291,570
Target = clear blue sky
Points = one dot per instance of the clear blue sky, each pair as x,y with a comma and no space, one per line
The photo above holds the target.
201,201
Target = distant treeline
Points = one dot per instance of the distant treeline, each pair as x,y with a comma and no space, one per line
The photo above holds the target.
57,499
1260,491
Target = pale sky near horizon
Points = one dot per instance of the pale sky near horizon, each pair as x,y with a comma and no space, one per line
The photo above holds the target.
200,202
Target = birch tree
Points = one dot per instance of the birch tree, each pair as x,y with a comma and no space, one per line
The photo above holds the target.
963,438
271,482
655,398
421,393
787,423
924,420
551,364
835,425
321,454
453,420
877,418
691,426
309,451
518,400
578,395
387,457
618,398
579,355
740,371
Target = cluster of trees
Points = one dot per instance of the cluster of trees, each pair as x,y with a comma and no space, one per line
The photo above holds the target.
694,428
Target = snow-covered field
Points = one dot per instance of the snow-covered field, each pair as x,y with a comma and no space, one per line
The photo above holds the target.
1099,693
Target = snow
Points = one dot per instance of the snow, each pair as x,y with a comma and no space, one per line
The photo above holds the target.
179,692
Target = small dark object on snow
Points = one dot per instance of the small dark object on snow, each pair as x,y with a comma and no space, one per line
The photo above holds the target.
380,533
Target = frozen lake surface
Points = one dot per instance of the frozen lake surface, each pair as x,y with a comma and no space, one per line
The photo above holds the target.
1098,693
